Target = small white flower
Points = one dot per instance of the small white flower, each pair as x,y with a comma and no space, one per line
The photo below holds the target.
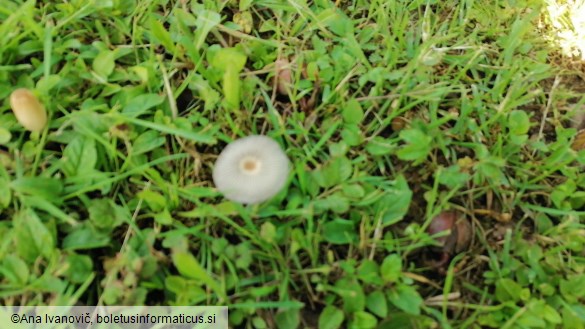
251,169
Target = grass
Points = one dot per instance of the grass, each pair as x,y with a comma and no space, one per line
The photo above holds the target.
396,111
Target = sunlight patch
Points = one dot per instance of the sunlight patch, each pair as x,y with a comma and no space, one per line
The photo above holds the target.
565,21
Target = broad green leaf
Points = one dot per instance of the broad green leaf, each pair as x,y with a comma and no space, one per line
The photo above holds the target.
340,231
337,21
229,59
189,267
377,304
5,136
47,188
363,320
508,290
206,20
32,238
85,237
395,202
353,191
161,36
231,88
288,319
551,315
353,112
105,214
335,202
378,146
352,135
572,287
391,268
369,272
418,145
154,200
80,267
206,92
142,103
268,232
5,192
406,298
352,294
518,122
147,142
79,157
164,217
15,270
331,318
104,63
452,176
245,4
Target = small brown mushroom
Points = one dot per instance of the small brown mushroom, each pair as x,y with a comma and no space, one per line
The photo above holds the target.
27,109
283,76
456,241
579,142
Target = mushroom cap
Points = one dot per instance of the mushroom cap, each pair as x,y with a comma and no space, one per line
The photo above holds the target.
251,169
27,109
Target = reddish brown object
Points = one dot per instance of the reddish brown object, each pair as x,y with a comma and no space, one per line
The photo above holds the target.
579,142
398,123
456,241
283,76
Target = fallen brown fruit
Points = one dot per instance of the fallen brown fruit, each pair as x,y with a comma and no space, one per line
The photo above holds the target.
27,109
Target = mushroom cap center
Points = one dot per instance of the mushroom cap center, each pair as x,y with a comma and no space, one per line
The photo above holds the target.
250,165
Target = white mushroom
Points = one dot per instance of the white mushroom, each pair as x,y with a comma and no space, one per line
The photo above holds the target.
251,169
